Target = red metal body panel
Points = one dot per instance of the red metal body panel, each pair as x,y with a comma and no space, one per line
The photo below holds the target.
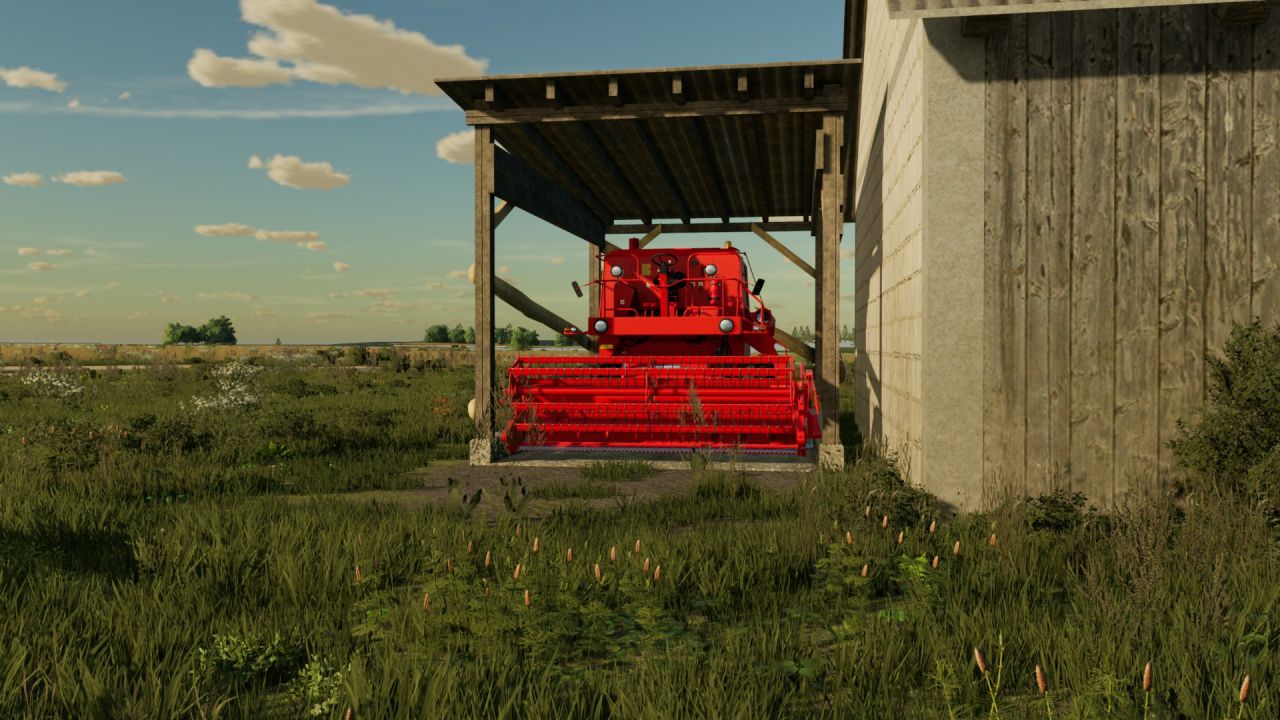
674,370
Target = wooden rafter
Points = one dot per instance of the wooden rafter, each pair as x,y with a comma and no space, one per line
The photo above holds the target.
602,156
635,111
522,186
717,177
509,294
709,227
786,251
580,188
651,148
762,180
501,212
651,235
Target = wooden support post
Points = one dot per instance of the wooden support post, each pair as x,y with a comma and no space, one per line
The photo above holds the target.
794,344
651,235
593,275
510,295
482,445
501,212
786,251
830,225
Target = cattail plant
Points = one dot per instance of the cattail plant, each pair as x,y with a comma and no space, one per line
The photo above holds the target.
536,545
1043,687
596,570
657,573
613,553
935,562
470,546
902,534
568,555
528,602
1244,695
933,527
884,523
516,574
955,549
1146,690
488,558
359,577
993,684
448,566
866,513
848,537
866,568
646,566
637,546
992,540
426,601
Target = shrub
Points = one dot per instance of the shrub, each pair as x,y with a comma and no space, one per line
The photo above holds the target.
1232,447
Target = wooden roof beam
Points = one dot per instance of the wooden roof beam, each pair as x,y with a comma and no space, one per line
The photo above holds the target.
537,313
576,184
501,212
651,235
521,186
786,251
646,139
824,103
762,180
634,229
597,149
717,177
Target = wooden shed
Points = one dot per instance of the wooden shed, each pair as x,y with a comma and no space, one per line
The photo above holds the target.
1061,208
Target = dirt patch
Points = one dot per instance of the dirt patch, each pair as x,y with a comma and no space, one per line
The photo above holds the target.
434,486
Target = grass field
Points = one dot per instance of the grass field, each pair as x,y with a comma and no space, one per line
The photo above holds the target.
152,565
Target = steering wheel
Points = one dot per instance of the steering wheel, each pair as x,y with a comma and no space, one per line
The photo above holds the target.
664,260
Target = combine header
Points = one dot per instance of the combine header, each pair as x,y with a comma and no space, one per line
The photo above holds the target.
674,369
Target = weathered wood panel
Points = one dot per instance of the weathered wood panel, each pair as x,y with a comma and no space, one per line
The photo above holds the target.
1137,439
1041,228
1182,189
1093,256
1265,253
1005,328
1228,175
1060,252
484,179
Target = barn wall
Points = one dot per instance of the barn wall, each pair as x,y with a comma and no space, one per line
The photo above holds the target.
887,249
1132,212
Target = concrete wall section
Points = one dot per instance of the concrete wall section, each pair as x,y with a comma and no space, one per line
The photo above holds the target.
888,210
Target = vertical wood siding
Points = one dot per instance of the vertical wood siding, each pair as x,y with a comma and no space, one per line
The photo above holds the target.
1132,214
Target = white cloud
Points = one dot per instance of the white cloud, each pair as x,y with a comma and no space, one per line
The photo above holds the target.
389,306
24,179
57,253
25,77
74,103
43,300
291,171
237,295
136,315
847,253
83,293
315,245
557,260
327,316
42,266
337,295
458,274
124,95
349,110
29,251
10,308
341,266
169,298
308,40
457,147
206,296
383,293
435,286
91,178
226,230
287,236
503,269
262,312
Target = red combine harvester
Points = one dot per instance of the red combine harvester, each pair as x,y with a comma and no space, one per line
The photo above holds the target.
674,369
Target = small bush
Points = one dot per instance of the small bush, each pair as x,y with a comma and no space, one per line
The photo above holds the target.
1057,511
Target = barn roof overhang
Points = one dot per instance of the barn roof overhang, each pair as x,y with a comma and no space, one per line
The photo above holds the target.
622,151
899,9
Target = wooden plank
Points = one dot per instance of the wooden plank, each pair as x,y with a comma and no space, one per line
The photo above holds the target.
1182,91
1041,231
484,379
827,287
984,26
1228,176
575,184
637,111
596,148
519,184
1137,296
512,296
1093,257
794,344
669,181
501,212
1059,260
712,163
1266,171
1005,305
1246,13
786,251
651,235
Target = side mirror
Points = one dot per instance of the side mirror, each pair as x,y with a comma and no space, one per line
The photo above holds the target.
577,289
759,286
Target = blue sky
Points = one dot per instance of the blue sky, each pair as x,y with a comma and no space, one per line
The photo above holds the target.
135,146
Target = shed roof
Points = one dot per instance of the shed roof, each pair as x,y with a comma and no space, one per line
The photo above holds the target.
723,142
943,8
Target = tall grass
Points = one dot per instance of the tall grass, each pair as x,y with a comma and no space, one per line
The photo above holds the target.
150,567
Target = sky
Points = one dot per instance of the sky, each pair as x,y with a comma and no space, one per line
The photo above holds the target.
290,163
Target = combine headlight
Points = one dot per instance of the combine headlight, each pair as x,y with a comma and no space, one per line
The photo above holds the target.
726,325
616,271
601,326
711,271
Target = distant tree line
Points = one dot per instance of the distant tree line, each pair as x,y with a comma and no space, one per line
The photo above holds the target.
519,338
805,334
218,331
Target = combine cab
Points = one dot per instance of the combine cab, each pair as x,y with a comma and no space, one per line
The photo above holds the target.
674,369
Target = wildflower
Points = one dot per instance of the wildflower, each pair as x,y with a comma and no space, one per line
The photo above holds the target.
657,573
1041,684
516,575
1244,690
1146,678
982,662
527,602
